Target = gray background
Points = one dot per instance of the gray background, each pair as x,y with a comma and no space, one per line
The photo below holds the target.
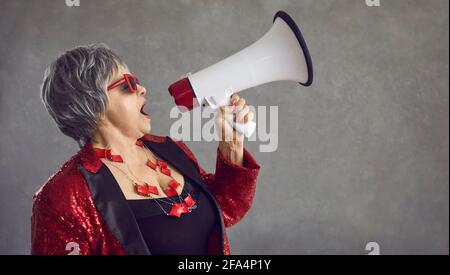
363,154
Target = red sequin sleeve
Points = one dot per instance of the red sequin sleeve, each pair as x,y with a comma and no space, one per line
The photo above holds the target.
54,233
232,185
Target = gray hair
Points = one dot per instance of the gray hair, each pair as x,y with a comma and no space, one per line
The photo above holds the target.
73,89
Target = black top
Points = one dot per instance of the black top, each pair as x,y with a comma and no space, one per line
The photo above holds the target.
186,235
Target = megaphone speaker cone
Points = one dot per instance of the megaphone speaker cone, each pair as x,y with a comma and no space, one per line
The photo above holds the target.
296,30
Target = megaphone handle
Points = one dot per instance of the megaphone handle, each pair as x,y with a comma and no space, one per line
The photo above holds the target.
246,129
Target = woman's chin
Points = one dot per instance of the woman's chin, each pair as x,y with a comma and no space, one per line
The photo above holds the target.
145,124
146,128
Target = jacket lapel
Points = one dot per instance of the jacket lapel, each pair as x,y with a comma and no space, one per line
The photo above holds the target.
112,205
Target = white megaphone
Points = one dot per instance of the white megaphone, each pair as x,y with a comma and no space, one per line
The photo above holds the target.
281,54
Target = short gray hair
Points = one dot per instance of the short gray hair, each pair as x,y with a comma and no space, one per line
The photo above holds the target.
73,89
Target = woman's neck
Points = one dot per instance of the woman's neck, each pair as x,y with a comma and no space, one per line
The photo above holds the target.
120,144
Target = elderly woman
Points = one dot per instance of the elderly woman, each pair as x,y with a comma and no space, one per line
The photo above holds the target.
127,191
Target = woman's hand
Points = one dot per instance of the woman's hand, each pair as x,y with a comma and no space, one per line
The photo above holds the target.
231,144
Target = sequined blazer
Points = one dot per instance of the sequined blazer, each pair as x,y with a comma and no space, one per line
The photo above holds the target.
73,210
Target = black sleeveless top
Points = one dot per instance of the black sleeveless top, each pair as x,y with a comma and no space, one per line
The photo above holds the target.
186,235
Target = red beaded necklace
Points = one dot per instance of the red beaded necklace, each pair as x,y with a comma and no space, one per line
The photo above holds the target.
147,190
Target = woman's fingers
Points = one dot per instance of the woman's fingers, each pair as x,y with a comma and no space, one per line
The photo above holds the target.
245,110
239,108
241,114
234,99
238,101
249,117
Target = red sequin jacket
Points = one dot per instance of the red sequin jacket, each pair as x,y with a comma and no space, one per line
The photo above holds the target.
72,213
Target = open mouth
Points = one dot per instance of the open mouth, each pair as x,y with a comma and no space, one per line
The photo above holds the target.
143,112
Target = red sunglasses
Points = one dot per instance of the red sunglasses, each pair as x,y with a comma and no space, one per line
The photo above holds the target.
130,80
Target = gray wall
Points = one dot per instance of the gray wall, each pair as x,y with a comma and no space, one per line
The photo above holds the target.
363,154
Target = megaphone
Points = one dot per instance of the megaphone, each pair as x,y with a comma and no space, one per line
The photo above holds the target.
281,54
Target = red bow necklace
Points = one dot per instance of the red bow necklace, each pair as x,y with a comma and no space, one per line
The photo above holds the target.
144,189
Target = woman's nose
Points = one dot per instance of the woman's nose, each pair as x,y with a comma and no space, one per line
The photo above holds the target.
141,90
